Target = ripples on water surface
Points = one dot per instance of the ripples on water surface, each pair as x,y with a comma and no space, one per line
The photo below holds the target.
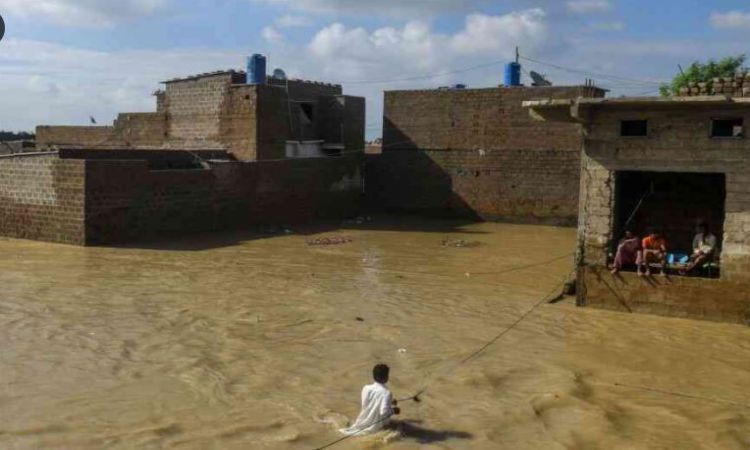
234,342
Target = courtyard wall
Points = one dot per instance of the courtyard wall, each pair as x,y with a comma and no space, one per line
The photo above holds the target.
121,196
42,197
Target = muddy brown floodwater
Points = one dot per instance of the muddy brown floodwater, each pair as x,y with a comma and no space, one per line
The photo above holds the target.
237,342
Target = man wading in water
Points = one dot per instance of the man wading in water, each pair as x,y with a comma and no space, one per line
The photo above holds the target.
378,405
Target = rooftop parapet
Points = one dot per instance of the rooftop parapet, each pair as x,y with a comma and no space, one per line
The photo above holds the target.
576,110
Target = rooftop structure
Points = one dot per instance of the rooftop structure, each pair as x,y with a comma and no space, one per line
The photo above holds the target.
221,111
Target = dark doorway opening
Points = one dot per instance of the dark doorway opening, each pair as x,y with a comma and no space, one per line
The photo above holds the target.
673,203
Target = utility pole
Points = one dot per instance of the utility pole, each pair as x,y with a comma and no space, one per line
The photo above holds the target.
517,54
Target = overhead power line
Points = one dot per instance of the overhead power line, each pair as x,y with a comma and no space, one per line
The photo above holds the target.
427,76
614,78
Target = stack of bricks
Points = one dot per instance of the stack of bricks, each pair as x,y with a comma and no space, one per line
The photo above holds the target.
736,86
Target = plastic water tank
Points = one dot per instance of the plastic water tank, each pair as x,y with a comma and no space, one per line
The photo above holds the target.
513,74
256,69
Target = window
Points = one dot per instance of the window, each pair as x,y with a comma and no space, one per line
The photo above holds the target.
308,112
634,128
731,128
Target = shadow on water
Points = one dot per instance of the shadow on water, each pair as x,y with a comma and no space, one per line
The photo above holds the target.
411,429
219,239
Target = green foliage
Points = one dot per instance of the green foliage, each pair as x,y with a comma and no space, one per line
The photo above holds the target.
12,136
704,73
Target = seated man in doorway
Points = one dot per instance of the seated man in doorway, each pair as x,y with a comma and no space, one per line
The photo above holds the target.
627,252
704,248
653,250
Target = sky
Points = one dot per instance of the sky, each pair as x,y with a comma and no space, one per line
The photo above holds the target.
62,61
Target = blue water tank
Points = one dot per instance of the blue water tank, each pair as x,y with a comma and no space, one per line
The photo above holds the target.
256,69
512,74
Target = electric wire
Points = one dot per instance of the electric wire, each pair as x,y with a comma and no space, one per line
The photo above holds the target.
466,359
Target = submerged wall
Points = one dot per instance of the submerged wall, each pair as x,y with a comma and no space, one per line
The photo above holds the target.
476,152
42,197
103,199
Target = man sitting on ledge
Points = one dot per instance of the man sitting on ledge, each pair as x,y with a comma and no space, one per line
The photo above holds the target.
653,250
704,247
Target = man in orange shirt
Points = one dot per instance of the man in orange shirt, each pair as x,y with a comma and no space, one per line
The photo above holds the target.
653,250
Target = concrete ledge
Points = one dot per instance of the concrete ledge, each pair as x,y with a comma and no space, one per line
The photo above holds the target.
686,297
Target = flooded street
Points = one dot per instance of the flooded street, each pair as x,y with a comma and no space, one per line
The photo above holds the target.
237,341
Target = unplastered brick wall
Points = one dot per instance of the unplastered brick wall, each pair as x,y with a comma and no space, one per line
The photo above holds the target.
299,190
125,201
510,185
93,136
194,110
239,122
141,129
733,86
678,141
41,198
476,152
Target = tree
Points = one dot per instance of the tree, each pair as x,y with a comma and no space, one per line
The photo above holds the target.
704,73
13,136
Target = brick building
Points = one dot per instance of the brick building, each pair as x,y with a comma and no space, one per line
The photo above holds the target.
220,111
477,153
85,196
664,163
218,153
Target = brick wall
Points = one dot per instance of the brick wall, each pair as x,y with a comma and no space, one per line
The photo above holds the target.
239,122
194,109
127,201
476,152
47,135
141,129
41,197
299,190
511,185
678,141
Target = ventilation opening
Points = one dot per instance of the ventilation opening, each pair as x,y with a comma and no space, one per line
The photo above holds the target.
727,128
672,204
634,128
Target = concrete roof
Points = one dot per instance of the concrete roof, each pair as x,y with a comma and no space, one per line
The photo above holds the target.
204,75
572,110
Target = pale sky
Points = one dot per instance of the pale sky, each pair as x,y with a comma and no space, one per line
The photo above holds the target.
62,61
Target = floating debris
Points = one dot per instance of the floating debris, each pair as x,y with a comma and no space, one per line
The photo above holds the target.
334,240
460,243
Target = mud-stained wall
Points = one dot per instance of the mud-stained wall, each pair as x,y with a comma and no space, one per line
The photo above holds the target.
476,152
42,198
679,141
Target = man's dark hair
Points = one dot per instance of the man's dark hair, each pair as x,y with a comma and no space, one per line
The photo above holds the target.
380,373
